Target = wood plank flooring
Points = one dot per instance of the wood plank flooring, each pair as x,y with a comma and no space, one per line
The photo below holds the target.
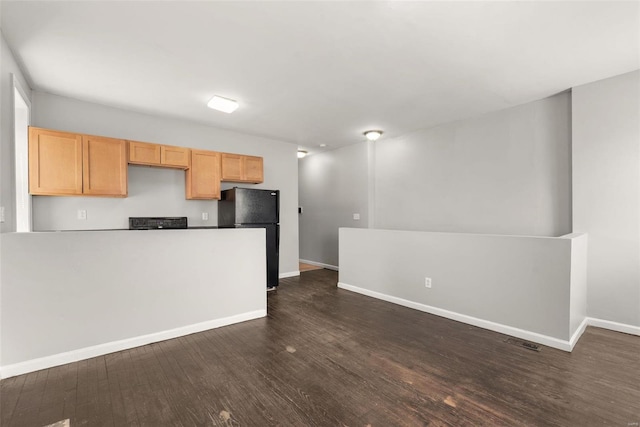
329,357
307,267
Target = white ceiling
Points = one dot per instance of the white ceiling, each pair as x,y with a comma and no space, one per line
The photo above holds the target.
320,72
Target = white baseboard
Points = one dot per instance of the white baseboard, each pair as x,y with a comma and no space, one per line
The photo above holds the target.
320,264
111,347
578,333
614,326
288,274
486,324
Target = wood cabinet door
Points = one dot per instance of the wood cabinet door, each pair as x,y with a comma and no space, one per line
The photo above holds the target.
105,166
203,177
239,168
55,162
231,167
174,156
253,169
143,153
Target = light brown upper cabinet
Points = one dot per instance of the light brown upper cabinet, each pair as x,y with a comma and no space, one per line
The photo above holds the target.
168,156
203,177
174,156
55,162
143,153
64,163
239,168
104,166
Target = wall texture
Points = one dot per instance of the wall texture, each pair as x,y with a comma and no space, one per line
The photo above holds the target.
578,285
8,66
606,195
74,291
333,186
520,286
160,192
506,172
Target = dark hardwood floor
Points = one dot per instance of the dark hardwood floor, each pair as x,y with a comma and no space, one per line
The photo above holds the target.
328,357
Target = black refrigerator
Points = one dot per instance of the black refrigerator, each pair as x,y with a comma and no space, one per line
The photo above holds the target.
252,208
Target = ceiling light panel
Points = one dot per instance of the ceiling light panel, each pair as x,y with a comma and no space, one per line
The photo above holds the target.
225,105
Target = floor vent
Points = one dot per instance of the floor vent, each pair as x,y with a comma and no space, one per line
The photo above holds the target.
525,344
63,423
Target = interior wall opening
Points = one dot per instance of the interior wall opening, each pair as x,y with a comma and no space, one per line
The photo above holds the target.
22,119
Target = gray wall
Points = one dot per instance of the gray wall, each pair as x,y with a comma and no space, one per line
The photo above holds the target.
516,285
579,257
333,186
161,191
70,291
506,172
606,195
8,66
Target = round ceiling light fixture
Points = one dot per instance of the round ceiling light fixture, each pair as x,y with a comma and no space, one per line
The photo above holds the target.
301,153
373,135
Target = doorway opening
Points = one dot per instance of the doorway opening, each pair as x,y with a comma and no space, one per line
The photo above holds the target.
22,119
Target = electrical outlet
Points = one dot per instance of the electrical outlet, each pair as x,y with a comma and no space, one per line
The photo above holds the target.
205,216
427,282
356,216
82,214
1,213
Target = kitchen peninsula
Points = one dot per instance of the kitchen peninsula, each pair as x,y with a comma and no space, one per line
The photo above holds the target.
77,294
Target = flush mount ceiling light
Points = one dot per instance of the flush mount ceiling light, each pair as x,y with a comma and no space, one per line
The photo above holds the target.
323,145
301,153
223,104
373,135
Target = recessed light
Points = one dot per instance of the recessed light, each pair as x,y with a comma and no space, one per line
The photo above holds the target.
223,104
373,135
301,153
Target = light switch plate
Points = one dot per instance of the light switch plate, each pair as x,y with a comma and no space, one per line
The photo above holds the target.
1,213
